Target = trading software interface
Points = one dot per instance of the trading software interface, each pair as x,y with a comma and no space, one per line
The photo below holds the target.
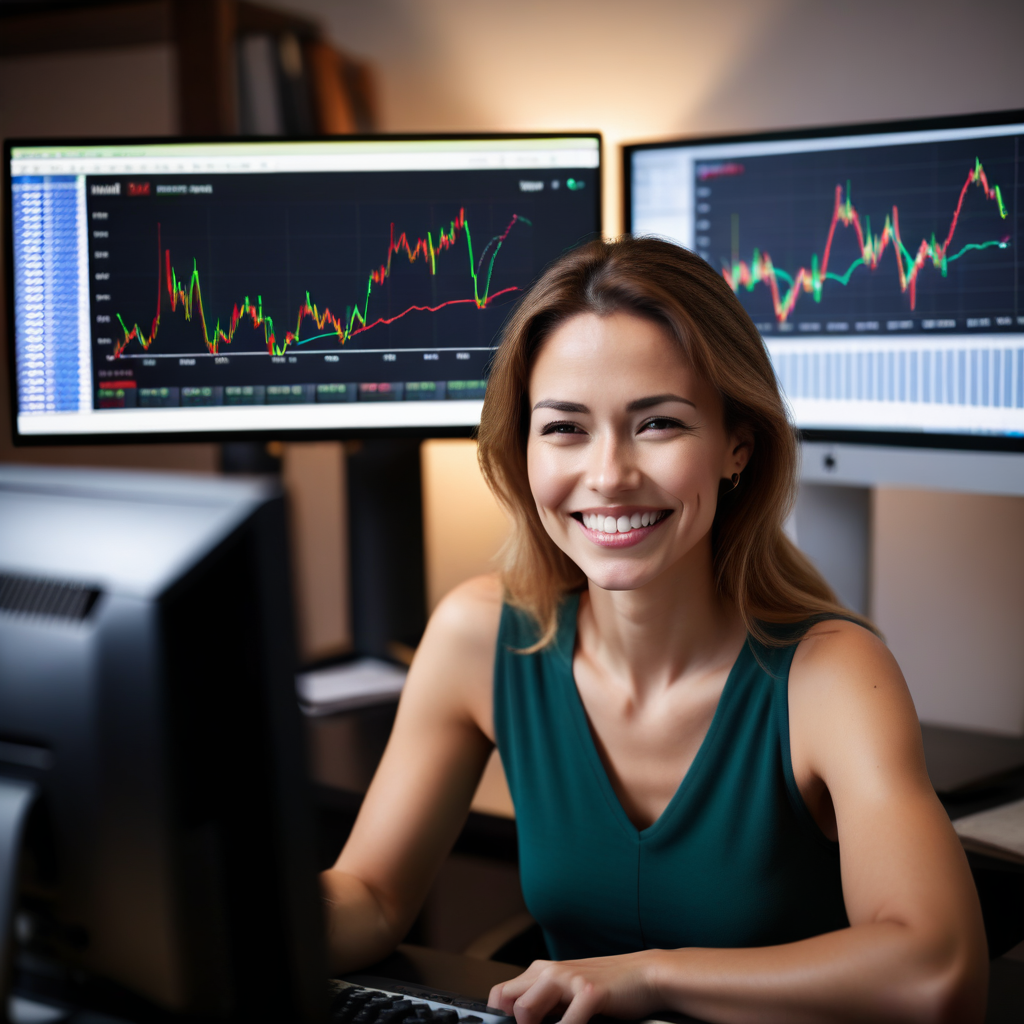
883,271
279,285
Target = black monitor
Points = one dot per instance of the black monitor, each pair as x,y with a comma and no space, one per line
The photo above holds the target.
883,265
278,288
151,753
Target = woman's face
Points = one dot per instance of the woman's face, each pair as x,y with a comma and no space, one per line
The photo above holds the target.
626,450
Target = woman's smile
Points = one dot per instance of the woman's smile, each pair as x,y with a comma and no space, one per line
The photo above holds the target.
620,527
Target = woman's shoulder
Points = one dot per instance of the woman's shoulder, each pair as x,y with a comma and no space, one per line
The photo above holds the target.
839,643
454,663
842,654
465,623
846,681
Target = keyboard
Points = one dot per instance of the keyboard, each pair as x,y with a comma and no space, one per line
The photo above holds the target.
367,1000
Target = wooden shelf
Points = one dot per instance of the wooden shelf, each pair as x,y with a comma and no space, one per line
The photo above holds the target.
204,33
106,25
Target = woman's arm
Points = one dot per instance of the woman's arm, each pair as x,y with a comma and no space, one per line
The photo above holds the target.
915,949
420,794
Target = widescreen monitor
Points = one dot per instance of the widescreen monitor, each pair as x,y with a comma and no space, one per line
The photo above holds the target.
882,265
277,288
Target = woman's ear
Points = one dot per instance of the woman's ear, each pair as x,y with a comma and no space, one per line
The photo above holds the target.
741,447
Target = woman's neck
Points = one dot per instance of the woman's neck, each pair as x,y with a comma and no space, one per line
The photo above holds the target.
660,633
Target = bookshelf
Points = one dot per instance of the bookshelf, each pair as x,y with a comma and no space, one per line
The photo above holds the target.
320,90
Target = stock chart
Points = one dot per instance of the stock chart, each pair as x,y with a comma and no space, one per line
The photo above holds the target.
909,237
307,286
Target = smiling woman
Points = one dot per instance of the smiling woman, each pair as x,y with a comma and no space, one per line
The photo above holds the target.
669,295
720,792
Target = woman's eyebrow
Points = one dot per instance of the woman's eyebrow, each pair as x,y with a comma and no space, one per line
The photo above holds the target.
553,403
635,406
646,403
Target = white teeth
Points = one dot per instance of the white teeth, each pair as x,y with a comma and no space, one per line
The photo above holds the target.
621,524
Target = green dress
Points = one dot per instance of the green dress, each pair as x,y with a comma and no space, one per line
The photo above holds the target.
735,858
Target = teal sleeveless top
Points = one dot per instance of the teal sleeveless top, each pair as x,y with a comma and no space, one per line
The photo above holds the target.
735,858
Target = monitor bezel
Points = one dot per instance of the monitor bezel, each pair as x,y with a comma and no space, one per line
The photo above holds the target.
893,438
20,440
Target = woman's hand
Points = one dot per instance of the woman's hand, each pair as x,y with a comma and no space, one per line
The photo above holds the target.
619,986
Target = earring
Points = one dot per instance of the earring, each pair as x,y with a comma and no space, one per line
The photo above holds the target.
735,481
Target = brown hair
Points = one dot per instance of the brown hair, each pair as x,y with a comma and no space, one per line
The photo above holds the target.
755,564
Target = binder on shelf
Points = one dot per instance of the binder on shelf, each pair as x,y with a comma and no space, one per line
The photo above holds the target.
287,87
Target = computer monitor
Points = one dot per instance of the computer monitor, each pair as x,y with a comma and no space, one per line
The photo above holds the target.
148,711
882,265
278,288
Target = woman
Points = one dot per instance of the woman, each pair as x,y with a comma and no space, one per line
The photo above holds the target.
717,770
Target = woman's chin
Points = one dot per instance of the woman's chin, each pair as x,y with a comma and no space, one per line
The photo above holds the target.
619,577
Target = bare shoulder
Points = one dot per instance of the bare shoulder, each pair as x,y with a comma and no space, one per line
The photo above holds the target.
454,664
469,614
848,700
842,655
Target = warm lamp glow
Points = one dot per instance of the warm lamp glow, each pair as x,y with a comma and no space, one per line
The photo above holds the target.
463,526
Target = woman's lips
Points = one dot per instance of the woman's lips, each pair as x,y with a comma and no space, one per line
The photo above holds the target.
622,540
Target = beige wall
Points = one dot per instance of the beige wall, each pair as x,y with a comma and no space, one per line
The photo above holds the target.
99,92
947,574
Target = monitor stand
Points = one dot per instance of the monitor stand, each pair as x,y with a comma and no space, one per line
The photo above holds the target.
385,515
832,526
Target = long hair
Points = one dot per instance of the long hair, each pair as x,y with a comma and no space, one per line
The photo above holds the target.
755,565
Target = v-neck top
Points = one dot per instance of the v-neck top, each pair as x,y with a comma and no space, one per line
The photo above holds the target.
734,860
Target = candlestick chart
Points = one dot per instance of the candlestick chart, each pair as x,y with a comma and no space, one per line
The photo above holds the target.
182,295
847,235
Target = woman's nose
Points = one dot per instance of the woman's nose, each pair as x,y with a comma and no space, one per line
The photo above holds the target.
612,467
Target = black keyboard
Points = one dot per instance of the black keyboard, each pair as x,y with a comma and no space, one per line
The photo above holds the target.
365,1000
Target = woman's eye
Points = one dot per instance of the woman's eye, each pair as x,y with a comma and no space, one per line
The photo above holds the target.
662,423
560,427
